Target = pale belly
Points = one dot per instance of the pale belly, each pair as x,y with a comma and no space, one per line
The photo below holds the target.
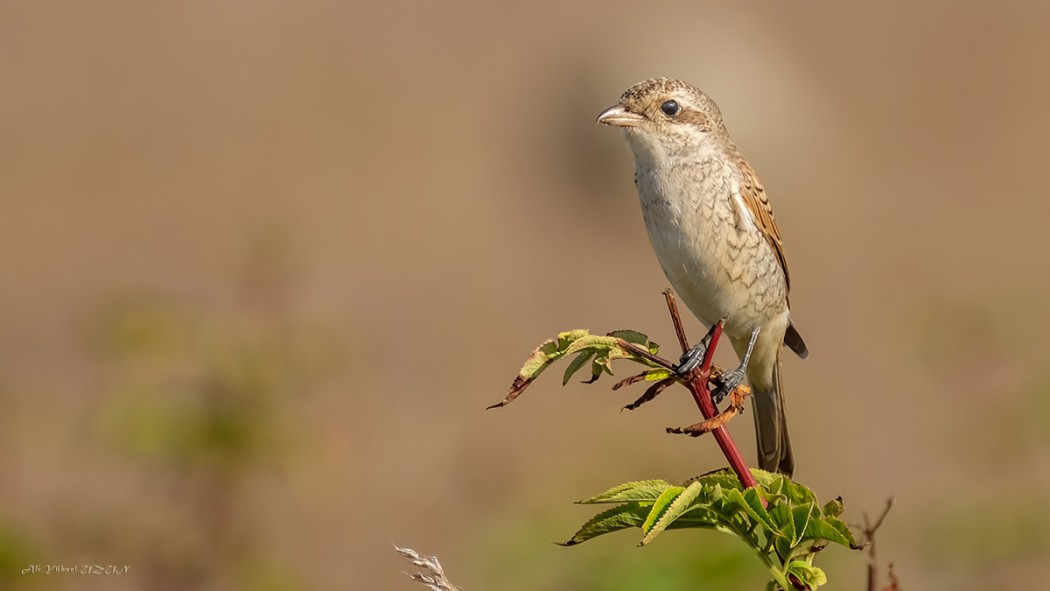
720,267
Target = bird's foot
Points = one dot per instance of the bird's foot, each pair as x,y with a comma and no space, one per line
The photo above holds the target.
729,380
692,358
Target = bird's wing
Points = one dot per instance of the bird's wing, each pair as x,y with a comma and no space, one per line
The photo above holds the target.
754,197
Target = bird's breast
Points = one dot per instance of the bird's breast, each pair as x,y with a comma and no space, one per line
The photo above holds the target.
715,258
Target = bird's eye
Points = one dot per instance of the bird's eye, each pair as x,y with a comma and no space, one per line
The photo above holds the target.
670,108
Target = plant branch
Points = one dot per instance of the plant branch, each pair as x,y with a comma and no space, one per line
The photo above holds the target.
698,387
869,537
676,319
643,353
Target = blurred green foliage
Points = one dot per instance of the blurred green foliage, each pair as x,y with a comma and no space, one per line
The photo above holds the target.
203,404
18,551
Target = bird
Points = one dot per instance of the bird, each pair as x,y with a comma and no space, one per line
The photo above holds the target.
712,227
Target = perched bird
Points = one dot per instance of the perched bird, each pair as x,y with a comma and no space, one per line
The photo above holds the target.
712,228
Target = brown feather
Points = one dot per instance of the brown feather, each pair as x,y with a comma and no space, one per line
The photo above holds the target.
754,196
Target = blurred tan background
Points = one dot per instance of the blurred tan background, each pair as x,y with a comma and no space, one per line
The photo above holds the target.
266,263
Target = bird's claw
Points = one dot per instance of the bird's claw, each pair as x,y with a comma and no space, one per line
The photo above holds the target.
727,382
691,359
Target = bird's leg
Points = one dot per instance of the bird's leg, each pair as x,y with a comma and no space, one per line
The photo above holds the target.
733,378
691,359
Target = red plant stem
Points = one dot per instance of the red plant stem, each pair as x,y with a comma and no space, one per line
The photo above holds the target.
702,396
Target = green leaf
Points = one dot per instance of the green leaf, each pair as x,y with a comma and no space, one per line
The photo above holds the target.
801,516
697,516
567,338
797,493
809,575
660,507
655,375
600,365
834,508
678,507
784,528
780,515
622,517
844,531
645,491
575,365
631,336
770,481
593,341
712,494
539,359
749,502
831,529
550,351
724,478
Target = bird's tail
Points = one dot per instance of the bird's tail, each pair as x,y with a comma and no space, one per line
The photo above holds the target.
774,446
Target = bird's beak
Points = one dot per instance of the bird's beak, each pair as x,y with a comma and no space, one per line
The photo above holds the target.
619,116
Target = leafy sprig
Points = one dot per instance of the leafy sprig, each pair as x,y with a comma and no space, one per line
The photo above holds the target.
780,520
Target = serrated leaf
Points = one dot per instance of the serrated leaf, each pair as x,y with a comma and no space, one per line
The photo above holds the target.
724,478
582,359
568,337
810,576
831,529
689,521
706,517
844,530
767,480
797,493
712,494
621,517
644,491
782,546
749,502
780,515
539,359
784,527
593,341
660,507
697,516
833,508
774,487
631,336
678,507
801,516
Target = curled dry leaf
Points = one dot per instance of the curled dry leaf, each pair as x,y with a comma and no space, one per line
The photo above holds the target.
651,392
516,388
736,406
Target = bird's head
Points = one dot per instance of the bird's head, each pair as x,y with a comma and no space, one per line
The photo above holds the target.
666,118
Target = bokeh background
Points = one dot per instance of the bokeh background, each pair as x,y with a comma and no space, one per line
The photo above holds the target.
266,263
